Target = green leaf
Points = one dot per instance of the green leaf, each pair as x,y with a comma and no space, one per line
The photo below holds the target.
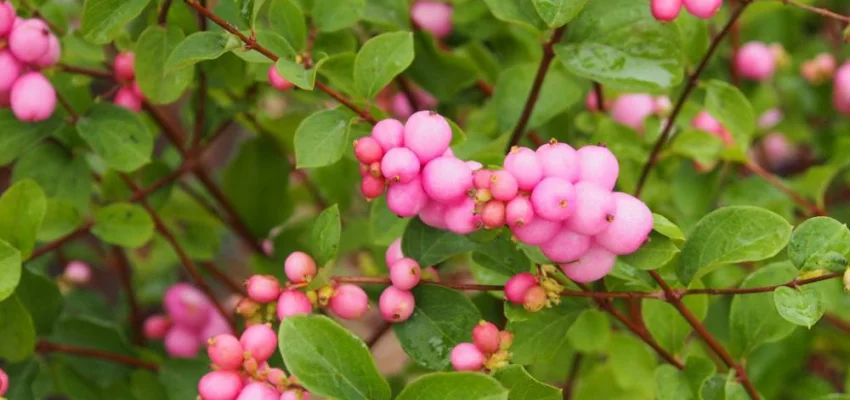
732,235
154,46
814,182
732,109
620,45
697,145
801,306
10,269
753,318
384,225
21,377
695,35
97,334
42,299
22,209
522,386
117,135
321,138
815,238
391,13
442,318
271,41
325,235
339,71
667,325
502,256
521,12
430,246
329,360
333,15
698,370
248,10
454,386
441,73
123,224
557,13
558,93
17,332
286,18
672,384
381,59
632,363
60,174
540,335
145,383
667,228
180,377
590,332
654,254
200,46
304,78
103,20
17,136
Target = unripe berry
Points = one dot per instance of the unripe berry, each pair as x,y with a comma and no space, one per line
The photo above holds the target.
127,98
258,391
706,122
247,308
662,105
446,179
389,133
519,212
396,305
598,165
493,214
554,199
428,135
293,302
4,379
524,165
594,209
216,325
299,267
125,66
259,340
703,8
372,187
263,288
29,40
7,20
433,17
225,351
431,274
566,246
467,357
535,299
53,53
846,280
632,109
630,228
518,285
755,61
400,165
182,342
77,272
461,218
220,385
481,178
406,199
368,150
32,97
405,273
277,81
482,196
10,68
503,185
593,265
559,160
349,302
665,10
156,326
540,230
375,170
393,253
506,339
434,214
485,335
186,305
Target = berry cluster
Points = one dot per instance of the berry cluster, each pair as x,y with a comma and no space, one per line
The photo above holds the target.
397,302
4,382
819,69
191,320
129,96
489,349
29,47
841,89
668,10
534,292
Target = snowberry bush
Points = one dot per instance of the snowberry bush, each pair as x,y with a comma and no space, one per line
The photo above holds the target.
413,199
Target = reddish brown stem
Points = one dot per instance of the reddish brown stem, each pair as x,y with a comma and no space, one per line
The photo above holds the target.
572,375
763,289
600,96
94,73
224,279
817,10
56,244
125,276
44,346
807,205
162,17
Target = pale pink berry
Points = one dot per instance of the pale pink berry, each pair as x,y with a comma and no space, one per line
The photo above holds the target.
53,53
10,68
598,165
295,394
427,134
220,385
450,153
7,21
389,133
594,209
665,10
400,165
524,165
393,253
503,185
372,187
156,326
518,285
216,325
32,97
260,341
277,378
535,299
406,199
593,265
481,178
554,199
434,214
826,64
778,150
277,81
293,302
566,246
125,66
187,305
662,105
540,230
591,101
841,89
461,217
405,273
467,357
703,8
368,150
396,305
446,179
519,212
770,118
226,352
4,379
349,302
632,109
706,122
127,98
258,391
630,227
559,160
77,272
263,288
755,61
401,106
433,17
485,335
493,214
299,267
473,165
182,342
29,40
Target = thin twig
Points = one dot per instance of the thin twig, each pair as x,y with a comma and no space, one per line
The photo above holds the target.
67,106
569,385
44,346
817,10
600,96
125,276
162,17
224,279
764,289
94,73
810,207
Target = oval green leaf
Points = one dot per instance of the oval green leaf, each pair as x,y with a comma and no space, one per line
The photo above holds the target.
117,135
381,59
103,19
325,235
321,138
159,85
454,386
801,306
123,224
429,245
753,318
22,210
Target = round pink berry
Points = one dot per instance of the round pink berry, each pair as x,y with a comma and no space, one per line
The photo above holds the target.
524,165
393,253
29,40
216,325
77,272
405,273
187,305
554,199
467,357
124,66
754,60
594,209
481,178
372,187
566,246
485,335
703,8
461,217
263,288
519,212
598,165
518,285
434,214
396,305
447,179
32,97
630,227
277,81
156,326
593,265
540,230
705,122
427,134
535,299
493,214
778,150
349,302
389,133
182,342
503,185
126,97
406,199
293,302
632,109
559,160
220,385
7,21
400,165
10,68
368,150
277,378
662,105
258,391
433,17
770,118
299,267
665,10
225,351
591,101
53,53
401,106
260,341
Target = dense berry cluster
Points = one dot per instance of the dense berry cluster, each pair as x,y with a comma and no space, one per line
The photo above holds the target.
668,10
129,95
397,302
29,47
489,349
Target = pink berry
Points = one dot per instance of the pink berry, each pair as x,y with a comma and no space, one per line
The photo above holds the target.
29,41
770,118
263,288
258,391
406,199
277,81
754,60
703,8
519,212
481,178
226,352
461,218
293,302
299,267
401,106
433,17
156,326
10,68
77,272
485,335
597,164
524,165
405,273
124,66
259,340
349,302
666,10
53,53
400,165
389,133
216,325
778,150
32,97
554,199
593,265
540,230
434,214
182,342
632,109
4,379
493,214
467,357
566,246
559,160
127,98
427,134
187,305
393,253
220,385
7,21
295,395
277,378
368,150
706,122
446,179
396,305
630,227
662,105
594,208
473,165
372,187
591,101
503,185
518,285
